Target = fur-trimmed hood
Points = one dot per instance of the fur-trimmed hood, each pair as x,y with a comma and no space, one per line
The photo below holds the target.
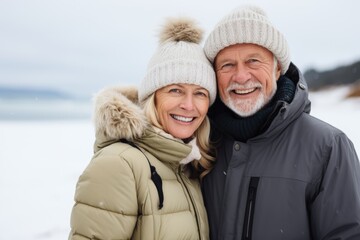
118,114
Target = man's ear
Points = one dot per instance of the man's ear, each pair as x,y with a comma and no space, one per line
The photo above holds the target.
278,71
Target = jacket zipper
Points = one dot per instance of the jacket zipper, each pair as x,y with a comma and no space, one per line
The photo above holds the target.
250,208
197,215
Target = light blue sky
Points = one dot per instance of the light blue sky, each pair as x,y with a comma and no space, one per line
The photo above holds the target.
81,46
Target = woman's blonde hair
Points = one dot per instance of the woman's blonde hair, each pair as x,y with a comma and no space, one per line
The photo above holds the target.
202,134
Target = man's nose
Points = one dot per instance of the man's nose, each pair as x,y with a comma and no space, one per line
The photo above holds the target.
241,74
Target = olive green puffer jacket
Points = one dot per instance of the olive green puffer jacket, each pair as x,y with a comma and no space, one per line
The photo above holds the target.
115,196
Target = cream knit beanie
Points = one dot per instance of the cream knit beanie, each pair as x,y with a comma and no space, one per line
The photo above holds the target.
179,59
248,24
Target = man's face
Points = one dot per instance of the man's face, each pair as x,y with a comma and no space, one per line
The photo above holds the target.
246,77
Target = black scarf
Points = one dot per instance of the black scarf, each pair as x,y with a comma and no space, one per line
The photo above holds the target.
244,128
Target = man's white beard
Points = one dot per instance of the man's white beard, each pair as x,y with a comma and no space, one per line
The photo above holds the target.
248,107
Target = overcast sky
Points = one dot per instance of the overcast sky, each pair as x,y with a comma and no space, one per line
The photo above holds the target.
81,46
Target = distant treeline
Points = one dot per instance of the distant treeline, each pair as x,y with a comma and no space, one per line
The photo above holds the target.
343,75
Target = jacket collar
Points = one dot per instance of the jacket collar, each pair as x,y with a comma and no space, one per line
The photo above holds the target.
290,111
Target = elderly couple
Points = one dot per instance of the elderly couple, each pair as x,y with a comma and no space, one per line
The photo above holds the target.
255,165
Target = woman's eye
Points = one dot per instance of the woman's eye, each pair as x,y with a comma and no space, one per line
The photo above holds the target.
204,94
174,90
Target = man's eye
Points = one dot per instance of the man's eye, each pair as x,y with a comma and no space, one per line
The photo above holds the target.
227,65
253,60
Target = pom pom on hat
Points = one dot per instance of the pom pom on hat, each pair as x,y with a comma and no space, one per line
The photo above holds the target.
179,59
248,24
180,29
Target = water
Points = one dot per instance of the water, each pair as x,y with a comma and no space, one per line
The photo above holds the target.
35,109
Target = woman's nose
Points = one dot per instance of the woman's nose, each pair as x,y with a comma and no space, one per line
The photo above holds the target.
187,102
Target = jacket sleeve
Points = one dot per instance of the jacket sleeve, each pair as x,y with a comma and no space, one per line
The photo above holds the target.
335,213
105,201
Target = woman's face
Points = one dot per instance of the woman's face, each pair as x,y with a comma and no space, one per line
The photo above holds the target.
181,108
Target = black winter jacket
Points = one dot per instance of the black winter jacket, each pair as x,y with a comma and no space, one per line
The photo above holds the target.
300,179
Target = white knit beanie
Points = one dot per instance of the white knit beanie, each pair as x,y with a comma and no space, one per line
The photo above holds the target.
248,24
179,59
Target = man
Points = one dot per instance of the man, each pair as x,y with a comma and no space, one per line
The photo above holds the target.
280,173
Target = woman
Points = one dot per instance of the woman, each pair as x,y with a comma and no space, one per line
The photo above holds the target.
137,185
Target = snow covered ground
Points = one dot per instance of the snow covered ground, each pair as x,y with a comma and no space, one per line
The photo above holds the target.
332,107
40,162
